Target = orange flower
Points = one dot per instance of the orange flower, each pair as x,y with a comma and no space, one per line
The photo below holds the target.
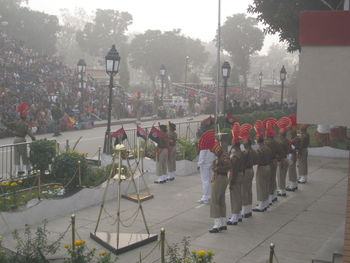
103,253
66,246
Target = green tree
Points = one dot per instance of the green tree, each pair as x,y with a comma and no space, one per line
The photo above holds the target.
107,28
36,29
148,51
282,17
241,38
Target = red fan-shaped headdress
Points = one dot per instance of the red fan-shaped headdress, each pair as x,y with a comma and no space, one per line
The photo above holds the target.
259,126
207,140
235,132
283,124
245,132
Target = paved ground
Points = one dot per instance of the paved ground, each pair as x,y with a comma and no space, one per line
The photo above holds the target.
298,224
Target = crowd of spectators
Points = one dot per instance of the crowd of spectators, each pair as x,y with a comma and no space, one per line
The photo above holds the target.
41,81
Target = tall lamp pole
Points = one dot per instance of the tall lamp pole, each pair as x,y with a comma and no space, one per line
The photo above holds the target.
218,63
186,69
162,72
226,70
260,82
112,66
283,76
81,70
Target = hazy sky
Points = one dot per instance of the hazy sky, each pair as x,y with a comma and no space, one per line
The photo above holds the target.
196,18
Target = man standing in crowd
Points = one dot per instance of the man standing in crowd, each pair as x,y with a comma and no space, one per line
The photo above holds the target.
56,114
172,136
263,171
236,177
221,167
294,143
283,142
21,129
205,164
303,154
250,158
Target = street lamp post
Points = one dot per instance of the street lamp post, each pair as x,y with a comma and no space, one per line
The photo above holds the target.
186,69
226,70
81,70
162,72
283,76
260,82
112,66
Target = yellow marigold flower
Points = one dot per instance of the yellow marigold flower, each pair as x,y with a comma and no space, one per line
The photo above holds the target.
66,246
83,242
210,252
103,253
13,184
23,196
20,181
78,243
193,251
186,260
200,260
5,184
201,253
56,186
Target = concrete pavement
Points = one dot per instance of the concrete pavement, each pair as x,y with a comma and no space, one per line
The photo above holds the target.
299,224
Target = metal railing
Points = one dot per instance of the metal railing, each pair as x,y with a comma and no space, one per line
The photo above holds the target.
7,170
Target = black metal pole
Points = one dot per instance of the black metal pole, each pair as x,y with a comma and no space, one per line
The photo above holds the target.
282,92
82,92
225,91
162,89
107,148
260,88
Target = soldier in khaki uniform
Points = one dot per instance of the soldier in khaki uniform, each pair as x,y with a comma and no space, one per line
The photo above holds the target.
221,167
250,158
282,165
270,132
21,129
236,177
294,143
303,154
172,136
162,156
263,171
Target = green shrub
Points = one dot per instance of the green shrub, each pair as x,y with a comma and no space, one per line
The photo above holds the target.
187,149
65,169
42,153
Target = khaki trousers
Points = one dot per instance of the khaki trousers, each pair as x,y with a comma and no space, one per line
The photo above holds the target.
162,162
302,162
172,160
247,194
282,174
292,172
262,182
20,151
218,204
273,185
236,193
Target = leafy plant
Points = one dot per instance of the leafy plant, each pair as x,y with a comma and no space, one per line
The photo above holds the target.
67,168
42,153
188,150
33,249
82,254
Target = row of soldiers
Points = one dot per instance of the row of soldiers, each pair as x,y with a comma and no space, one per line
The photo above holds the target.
274,157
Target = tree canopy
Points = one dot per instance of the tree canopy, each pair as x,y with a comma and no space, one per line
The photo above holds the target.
241,37
108,27
148,51
282,17
38,30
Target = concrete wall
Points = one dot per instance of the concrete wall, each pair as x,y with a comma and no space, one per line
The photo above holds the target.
324,85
